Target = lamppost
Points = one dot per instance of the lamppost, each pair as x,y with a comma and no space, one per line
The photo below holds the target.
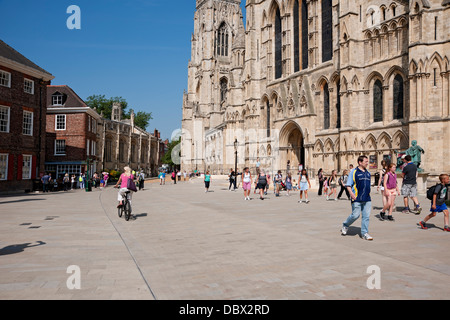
235,161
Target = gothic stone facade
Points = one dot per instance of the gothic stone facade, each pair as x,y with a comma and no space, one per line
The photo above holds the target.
317,82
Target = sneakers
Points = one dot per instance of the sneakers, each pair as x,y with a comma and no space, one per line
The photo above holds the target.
382,216
390,218
423,225
344,230
447,228
418,210
406,210
300,201
306,201
367,237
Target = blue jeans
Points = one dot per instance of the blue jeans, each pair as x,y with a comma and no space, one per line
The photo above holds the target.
357,209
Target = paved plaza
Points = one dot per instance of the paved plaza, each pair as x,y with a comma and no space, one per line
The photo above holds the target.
188,244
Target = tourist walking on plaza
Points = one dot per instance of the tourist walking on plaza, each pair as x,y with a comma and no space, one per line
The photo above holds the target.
390,191
277,180
246,183
304,185
409,185
382,172
45,182
332,184
342,183
321,180
438,202
359,187
232,179
263,181
207,181
288,183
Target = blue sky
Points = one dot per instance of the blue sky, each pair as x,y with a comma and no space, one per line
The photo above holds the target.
136,49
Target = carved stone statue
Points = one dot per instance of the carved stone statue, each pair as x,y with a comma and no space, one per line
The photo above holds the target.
415,152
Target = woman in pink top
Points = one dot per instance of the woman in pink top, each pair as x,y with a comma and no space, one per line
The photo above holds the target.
123,182
390,191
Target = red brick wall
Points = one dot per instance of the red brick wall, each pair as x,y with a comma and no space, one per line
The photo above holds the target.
14,142
76,134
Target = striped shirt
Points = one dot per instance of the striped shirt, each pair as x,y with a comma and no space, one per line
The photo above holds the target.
359,181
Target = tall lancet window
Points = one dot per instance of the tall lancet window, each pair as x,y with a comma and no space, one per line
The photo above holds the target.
296,37
327,30
222,40
278,45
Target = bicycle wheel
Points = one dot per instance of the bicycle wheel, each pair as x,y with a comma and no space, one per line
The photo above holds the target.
127,210
120,211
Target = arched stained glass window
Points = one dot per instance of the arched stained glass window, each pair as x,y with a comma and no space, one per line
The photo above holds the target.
398,97
278,45
296,37
327,30
222,40
326,107
304,35
377,101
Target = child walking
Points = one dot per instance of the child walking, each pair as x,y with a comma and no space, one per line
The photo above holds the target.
332,184
246,183
390,191
207,181
304,185
438,202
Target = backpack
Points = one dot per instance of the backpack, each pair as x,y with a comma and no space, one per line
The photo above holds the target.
431,191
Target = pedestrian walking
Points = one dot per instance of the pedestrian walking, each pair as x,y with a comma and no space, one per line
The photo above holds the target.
380,186
232,180
342,182
390,191
263,181
72,182
66,182
141,180
288,183
332,184
438,202
409,185
359,187
277,180
246,183
46,179
321,181
207,181
304,185
174,177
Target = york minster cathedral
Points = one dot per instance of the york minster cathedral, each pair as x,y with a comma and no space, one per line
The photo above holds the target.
317,83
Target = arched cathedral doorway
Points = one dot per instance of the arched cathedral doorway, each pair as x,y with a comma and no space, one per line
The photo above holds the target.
291,146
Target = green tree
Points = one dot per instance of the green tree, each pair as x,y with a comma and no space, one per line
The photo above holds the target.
167,158
101,104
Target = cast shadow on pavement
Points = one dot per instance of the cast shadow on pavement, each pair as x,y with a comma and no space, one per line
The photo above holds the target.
17,248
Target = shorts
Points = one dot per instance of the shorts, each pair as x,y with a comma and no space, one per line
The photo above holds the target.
409,190
247,185
207,184
261,185
440,208
303,186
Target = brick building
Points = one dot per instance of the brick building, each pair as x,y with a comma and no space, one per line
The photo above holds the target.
22,119
71,133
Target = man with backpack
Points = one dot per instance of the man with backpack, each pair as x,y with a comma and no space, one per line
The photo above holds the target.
437,194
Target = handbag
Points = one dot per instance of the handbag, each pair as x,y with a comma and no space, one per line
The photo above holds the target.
131,185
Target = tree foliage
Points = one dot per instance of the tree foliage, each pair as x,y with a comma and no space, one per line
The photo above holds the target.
103,105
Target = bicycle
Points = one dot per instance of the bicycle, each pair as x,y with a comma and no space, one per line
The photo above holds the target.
125,208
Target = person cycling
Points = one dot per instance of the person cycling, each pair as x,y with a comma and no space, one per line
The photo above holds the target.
123,182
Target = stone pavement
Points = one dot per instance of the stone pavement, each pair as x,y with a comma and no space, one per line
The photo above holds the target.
188,244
